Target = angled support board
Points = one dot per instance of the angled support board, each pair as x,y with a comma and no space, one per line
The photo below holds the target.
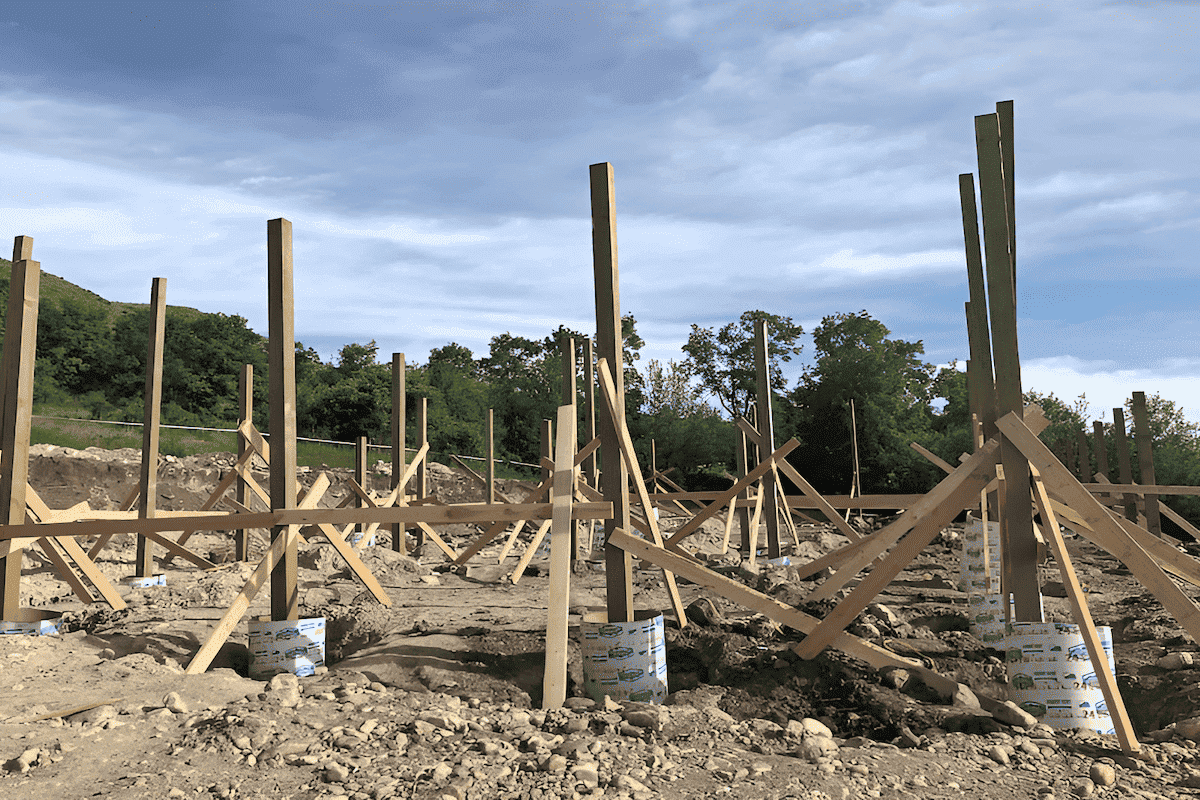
1083,618
952,495
1105,532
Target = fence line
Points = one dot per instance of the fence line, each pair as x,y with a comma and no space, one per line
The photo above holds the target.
387,447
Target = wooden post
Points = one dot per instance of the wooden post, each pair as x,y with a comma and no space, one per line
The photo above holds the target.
1019,547
554,680
285,601
856,479
490,474
399,411
1085,460
569,391
20,351
144,563
360,477
589,409
422,471
1142,438
1101,447
547,448
614,479
766,429
1125,468
978,337
743,512
241,542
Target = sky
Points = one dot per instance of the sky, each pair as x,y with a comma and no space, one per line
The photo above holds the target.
799,158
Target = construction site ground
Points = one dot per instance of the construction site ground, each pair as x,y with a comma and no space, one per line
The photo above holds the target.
439,695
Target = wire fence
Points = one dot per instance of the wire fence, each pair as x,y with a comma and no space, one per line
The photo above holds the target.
330,442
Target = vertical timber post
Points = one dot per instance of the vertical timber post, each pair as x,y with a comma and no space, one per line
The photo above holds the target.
978,338
569,391
1123,462
743,512
589,409
490,496
1085,459
1101,447
766,429
241,542
1142,438
614,478
399,410
1018,545
144,564
281,347
20,351
422,471
546,448
360,475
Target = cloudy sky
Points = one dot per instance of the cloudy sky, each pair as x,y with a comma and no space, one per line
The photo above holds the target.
801,158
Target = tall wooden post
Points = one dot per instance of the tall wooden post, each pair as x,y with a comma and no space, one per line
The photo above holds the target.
285,602
589,409
360,475
1142,437
1123,463
241,542
399,412
978,336
766,429
546,448
569,392
614,478
20,351
1101,447
1085,460
742,513
1018,544
144,564
491,456
422,471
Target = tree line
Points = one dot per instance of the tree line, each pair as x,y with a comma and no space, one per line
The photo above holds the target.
91,358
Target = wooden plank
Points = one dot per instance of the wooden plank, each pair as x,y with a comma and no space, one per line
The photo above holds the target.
1105,531
337,539
554,681
241,541
1124,466
20,340
398,421
608,391
530,551
726,496
933,458
1142,439
482,481
143,565
610,348
422,473
980,463
812,494
1138,490
983,385
490,456
1083,618
285,599
963,489
438,541
50,548
92,573
766,433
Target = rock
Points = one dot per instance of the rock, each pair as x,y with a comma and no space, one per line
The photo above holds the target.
445,720
1188,728
576,703
95,716
897,678
884,614
586,774
1175,661
627,784
284,690
1084,788
907,738
644,718
555,763
816,748
335,773
175,704
704,612
814,727
1103,775
964,697
998,754
1009,713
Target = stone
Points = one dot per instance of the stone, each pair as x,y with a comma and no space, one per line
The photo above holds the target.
1084,788
444,720
175,704
284,690
95,716
704,612
643,718
586,774
626,783
1102,774
897,678
814,727
964,697
1009,713
907,738
998,754
1188,728
335,772
816,748
1175,661
555,763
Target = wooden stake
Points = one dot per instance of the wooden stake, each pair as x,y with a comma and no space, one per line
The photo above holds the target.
978,338
490,469
766,430
554,682
21,336
241,543
423,472
148,482
1083,618
399,544
1142,438
1101,449
285,600
1124,466
609,346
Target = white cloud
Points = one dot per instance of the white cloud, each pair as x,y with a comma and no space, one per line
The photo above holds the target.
1106,386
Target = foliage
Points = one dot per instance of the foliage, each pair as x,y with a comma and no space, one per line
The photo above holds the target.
723,360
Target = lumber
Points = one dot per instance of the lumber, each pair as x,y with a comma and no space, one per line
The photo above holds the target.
812,494
1141,438
143,565
961,491
344,549
554,682
281,352
50,548
398,421
1083,618
932,457
530,551
1167,511
764,415
1105,532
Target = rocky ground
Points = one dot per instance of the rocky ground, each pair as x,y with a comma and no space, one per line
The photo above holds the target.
438,695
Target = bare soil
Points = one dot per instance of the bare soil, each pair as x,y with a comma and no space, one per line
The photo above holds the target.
438,695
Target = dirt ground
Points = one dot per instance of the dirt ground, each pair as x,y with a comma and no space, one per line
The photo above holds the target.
438,696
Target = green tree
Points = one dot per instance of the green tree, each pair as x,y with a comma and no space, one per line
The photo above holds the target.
723,359
891,388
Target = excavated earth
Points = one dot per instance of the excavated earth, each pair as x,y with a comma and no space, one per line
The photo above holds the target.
438,695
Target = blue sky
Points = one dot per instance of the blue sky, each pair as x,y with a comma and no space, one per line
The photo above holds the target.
801,158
